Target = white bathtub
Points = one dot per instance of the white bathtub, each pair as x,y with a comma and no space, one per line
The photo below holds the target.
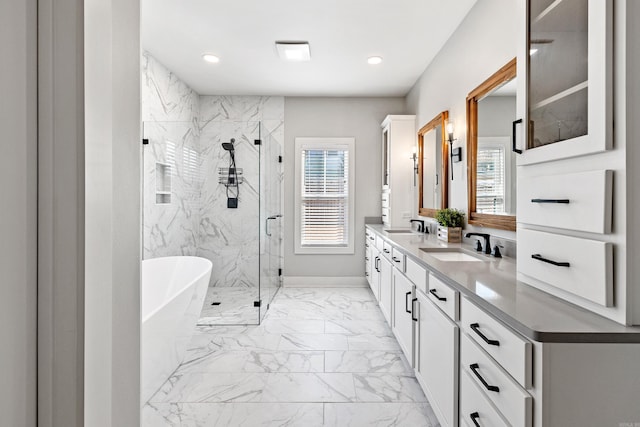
173,291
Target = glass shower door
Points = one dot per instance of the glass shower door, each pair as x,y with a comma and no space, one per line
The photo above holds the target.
271,213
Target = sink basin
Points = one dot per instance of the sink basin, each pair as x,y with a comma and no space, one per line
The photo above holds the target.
399,231
452,255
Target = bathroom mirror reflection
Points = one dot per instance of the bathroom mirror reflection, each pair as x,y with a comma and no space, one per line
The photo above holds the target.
491,110
433,156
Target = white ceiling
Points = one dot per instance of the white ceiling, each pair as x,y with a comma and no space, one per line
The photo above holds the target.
342,35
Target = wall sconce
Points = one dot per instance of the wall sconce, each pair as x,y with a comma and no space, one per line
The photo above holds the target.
456,155
414,157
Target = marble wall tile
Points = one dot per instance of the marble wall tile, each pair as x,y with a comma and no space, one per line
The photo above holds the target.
186,131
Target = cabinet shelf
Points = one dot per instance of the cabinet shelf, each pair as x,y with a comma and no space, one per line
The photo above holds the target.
559,96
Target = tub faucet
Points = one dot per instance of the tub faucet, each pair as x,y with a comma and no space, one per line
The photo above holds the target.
487,241
420,225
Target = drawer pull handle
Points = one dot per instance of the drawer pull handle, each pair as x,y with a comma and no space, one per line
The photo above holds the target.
366,274
476,329
474,368
386,251
377,266
435,294
371,238
396,259
406,302
415,319
548,261
366,258
474,416
562,201
366,245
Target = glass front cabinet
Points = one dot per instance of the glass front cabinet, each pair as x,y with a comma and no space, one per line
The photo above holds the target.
564,103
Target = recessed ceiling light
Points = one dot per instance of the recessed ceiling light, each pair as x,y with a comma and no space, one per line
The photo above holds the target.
532,52
294,51
374,60
210,58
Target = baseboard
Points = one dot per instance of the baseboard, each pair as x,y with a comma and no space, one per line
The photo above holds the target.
324,282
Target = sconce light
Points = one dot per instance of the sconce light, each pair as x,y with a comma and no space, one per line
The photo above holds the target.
456,155
414,157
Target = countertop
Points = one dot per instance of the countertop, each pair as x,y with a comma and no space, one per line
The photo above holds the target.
493,286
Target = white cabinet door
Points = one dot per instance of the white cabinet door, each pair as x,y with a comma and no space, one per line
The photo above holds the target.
374,283
564,100
385,298
402,305
437,364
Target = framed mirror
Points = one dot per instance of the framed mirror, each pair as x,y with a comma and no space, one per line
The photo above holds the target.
491,165
433,163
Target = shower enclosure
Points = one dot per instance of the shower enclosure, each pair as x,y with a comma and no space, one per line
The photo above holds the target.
214,189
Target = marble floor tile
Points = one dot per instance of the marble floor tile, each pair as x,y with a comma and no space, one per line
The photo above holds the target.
284,361
388,388
212,387
235,308
313,342
208,343
373,342
379,415
284,326
354,327
216,361
366,361
309,387
233,414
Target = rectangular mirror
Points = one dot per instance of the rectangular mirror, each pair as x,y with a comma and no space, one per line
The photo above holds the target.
433,162
491,164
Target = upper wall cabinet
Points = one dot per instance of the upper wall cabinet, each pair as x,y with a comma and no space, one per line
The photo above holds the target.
564,101
398,143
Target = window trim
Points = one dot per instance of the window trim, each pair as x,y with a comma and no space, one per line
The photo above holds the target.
342,143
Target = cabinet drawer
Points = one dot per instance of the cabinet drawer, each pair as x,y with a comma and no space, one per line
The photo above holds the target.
575,201
370,239
385,215
508,348
385,200
398,259
514,403
386,250
473,403
417,274
379,243
587,269
444,297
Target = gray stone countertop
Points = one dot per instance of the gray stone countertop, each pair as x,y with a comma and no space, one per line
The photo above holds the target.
493,286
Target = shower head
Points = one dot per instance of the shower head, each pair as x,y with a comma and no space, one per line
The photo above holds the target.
228,146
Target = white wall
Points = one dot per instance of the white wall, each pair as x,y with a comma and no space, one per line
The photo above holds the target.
18,220
484,42
339,117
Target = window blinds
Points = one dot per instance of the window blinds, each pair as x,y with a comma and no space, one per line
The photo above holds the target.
490,183
325,196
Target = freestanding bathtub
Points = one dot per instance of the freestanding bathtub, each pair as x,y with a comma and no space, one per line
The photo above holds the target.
173,291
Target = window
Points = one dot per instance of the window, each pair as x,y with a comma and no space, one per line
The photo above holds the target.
490,183
324,195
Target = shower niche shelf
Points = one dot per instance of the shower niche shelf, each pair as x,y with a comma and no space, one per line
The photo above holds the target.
163,183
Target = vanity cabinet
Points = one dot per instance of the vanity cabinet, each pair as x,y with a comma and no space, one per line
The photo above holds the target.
402,325
437,359
385,297
398,142
564,99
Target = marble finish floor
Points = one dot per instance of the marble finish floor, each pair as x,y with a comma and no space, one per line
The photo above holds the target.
235,308
321,357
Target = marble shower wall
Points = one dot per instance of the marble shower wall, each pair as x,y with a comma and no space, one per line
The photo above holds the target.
185,132
230,237
170,122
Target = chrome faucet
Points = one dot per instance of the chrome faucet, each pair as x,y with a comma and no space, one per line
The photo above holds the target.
487,241
421,227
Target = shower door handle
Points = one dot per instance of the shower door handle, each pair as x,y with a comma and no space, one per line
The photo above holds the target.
266,223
